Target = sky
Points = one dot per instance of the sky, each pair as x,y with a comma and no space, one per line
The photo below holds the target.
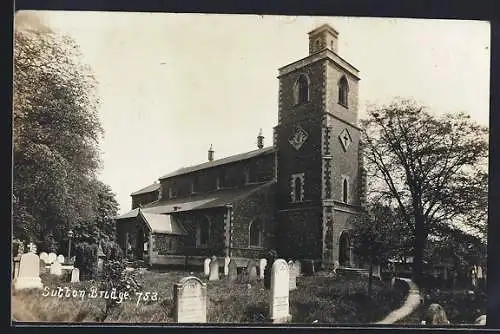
171,85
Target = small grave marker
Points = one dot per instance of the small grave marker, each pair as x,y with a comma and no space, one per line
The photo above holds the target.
75,275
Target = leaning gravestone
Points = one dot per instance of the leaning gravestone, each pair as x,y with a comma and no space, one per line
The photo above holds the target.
190,301
262,267
75,275
226,264
232,271
29,273
214,270
44,257
292,281
60,259
206,267
56,268
279,302
52,257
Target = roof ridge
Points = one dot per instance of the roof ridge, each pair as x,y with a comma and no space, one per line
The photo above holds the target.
217,162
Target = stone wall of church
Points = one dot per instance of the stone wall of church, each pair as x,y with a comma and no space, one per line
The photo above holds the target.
216,241
142,199
258,205
300,233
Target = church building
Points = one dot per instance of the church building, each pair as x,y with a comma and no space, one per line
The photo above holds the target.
295,196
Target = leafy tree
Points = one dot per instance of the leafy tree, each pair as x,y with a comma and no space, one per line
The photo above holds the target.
433,169
376,236
56,132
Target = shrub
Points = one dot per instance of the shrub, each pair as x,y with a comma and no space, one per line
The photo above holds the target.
270,257
112,251
117,281
86,259
16,246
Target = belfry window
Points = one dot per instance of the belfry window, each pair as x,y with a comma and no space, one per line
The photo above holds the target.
345,189
301,90
343,91
256,233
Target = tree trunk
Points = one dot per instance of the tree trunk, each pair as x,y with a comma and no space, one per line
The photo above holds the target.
418,259
370,277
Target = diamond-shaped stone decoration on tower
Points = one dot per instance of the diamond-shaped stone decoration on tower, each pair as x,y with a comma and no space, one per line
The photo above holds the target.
345,139
298,138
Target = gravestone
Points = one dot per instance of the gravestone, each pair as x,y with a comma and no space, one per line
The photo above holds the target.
29,273
279,297
262,267
206,267
56,268
376,270
435,315
252,270
309,267
292,281
17,263
190,301
75,275
232,271
52,257
214,269
297,266
252,274
481,320
44,257
60,259
226,264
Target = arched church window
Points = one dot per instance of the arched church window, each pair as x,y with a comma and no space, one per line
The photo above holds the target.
297,186
256,233
345,191
302,89
343,91
203,232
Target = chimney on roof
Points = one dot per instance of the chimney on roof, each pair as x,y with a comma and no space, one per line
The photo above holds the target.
260,140
210,153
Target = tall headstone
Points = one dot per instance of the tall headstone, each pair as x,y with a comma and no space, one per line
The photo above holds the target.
44,257
262,267
206,267
292,281
56,268
75,275
226,265
214,269
29,273
60,259
52,257
279,311
190,301
232,271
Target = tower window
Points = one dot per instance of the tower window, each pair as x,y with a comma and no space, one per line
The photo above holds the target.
345,190
343,91
297,186
301,90
318,44
256,233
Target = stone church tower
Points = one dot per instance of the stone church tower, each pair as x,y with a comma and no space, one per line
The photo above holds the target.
319,168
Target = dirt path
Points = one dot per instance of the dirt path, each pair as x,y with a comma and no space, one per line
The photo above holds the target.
411,303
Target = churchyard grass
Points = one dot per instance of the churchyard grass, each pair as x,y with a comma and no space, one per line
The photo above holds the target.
317,298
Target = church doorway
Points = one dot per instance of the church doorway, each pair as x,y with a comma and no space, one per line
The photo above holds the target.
344,249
